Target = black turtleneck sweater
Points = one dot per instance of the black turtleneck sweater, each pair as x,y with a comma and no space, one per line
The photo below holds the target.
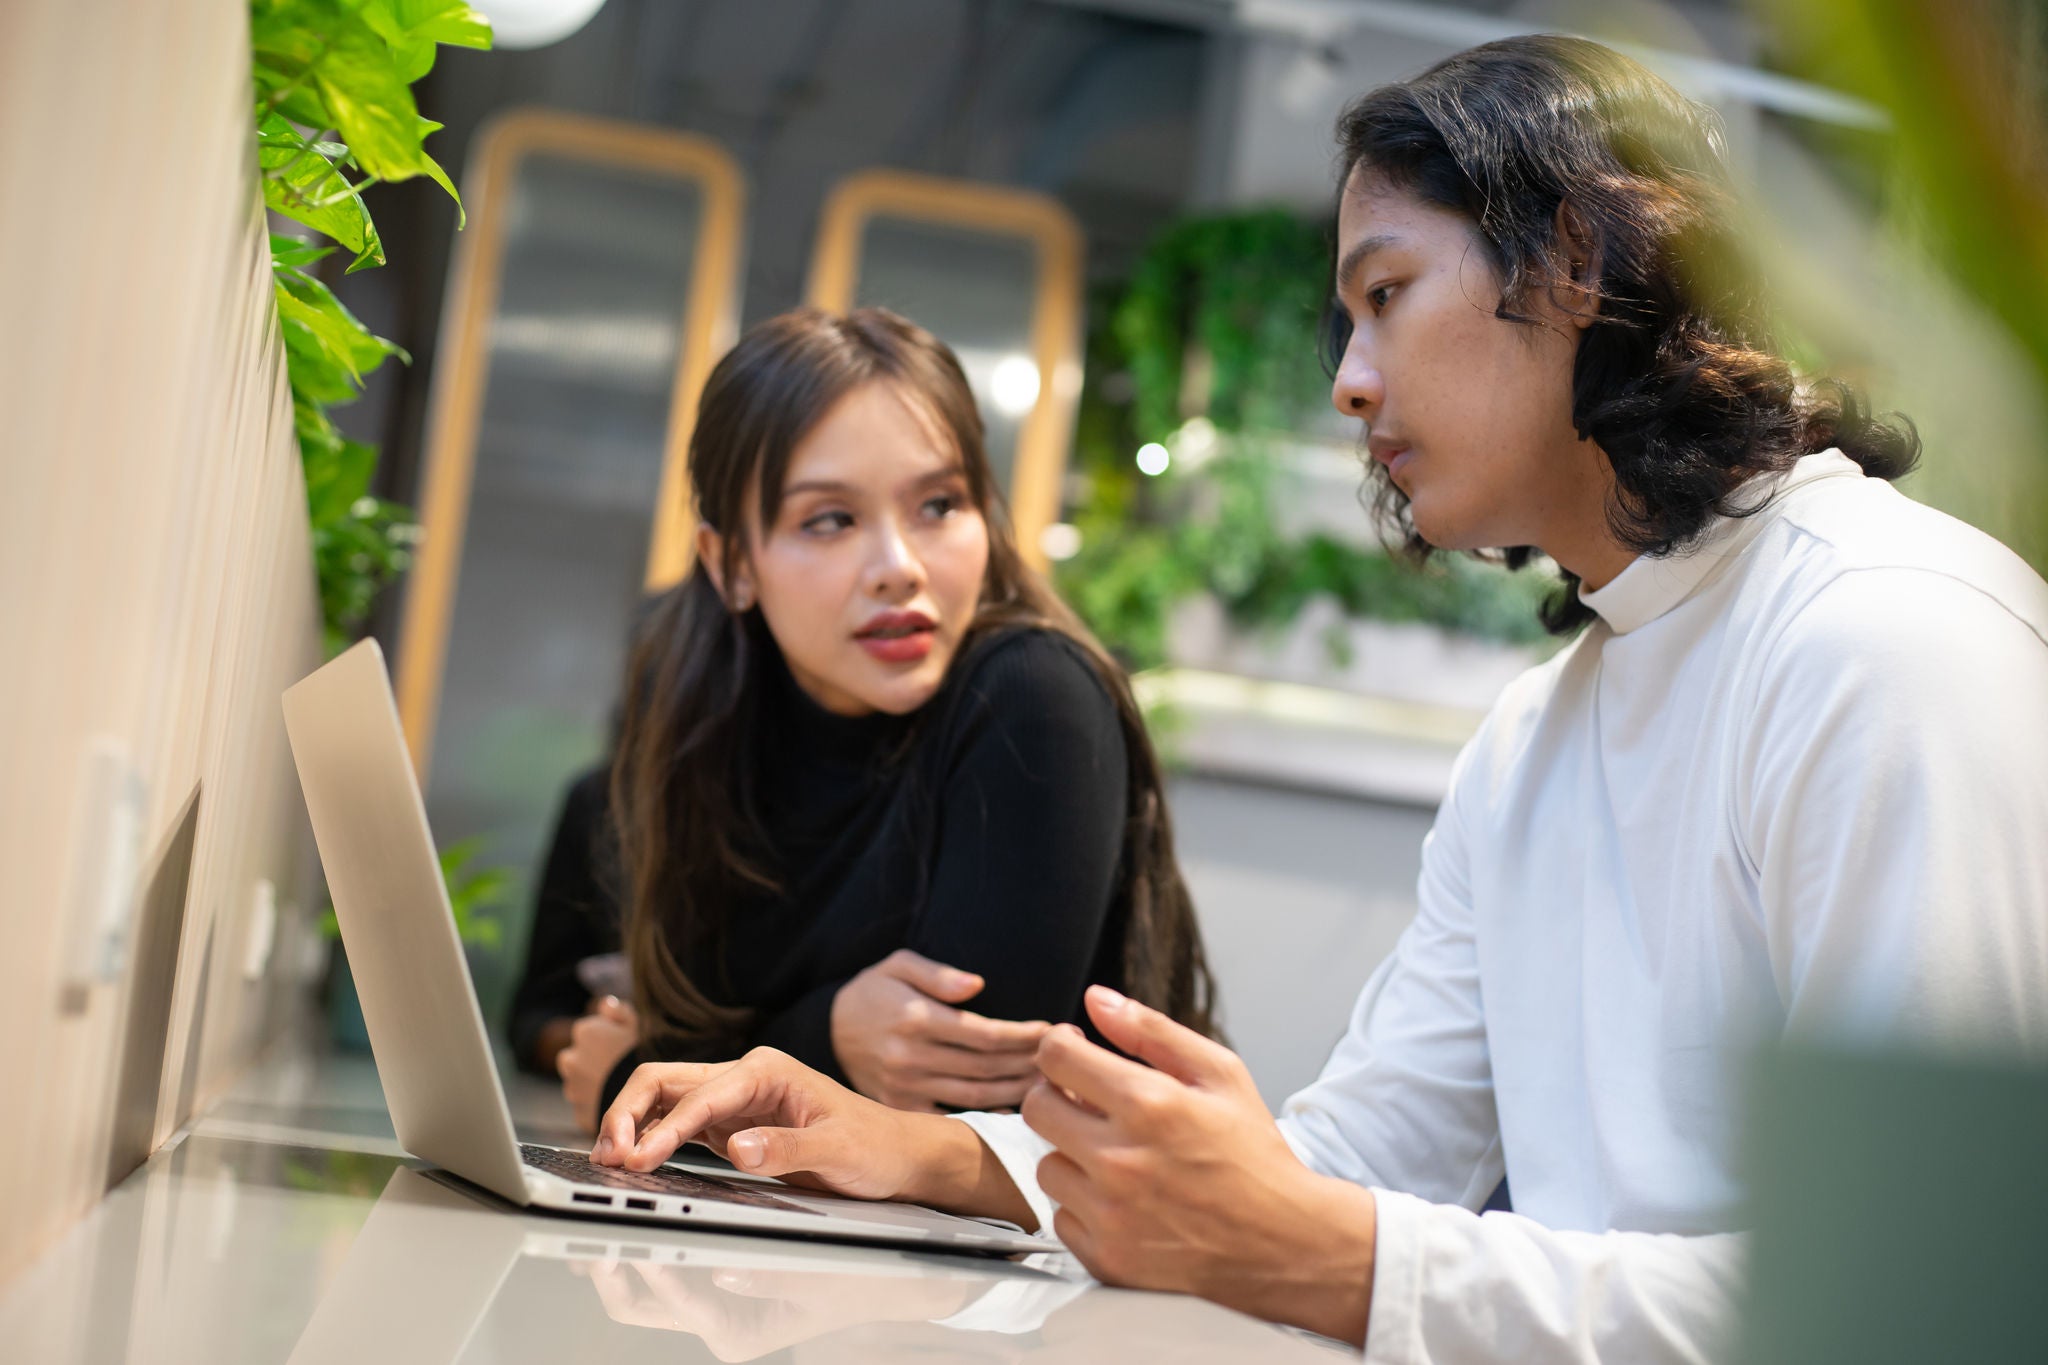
983,832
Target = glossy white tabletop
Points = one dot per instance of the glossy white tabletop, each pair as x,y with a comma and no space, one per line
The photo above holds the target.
287,1227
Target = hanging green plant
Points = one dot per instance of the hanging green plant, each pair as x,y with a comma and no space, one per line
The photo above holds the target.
1218,325
1239,293
334,115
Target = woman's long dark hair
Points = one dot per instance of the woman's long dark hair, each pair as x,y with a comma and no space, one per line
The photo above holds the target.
684,792
1678,379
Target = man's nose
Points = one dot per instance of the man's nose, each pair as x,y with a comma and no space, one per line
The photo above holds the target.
1359,388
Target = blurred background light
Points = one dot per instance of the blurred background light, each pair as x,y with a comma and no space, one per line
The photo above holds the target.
1013,386
535,23
1195,443
1060,541
1152,458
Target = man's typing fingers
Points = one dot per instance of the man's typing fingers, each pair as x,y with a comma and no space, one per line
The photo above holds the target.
739,1093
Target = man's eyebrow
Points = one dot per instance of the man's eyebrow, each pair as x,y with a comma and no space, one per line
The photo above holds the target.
1354,259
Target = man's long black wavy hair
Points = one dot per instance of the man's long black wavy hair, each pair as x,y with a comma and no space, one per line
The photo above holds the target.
1678,380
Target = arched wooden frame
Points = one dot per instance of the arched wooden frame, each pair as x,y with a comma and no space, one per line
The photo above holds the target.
456,409
1047,430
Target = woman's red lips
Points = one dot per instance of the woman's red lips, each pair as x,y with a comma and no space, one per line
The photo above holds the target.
897,636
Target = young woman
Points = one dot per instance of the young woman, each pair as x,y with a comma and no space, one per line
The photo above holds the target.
1790,778
871,769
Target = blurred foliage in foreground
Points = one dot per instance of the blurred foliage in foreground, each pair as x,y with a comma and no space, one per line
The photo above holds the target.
1963,172
335,115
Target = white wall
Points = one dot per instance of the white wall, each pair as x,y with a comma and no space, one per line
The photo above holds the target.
1300,897
156,588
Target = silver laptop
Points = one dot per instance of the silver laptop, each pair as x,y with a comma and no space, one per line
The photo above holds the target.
427,1032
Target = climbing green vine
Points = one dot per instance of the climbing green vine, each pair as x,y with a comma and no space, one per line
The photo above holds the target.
334,115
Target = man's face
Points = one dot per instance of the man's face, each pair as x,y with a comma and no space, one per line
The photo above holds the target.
1469,413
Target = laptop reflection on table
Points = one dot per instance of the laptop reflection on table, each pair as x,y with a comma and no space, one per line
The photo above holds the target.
434,1278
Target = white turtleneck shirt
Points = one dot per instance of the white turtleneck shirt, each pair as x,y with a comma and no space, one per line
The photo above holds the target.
1790,782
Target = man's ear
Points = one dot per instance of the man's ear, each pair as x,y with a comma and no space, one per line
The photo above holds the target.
711,554
1577,291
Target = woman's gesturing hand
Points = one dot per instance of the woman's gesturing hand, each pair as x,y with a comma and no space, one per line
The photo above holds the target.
1171,1174
901,1039
769,1114
597,1043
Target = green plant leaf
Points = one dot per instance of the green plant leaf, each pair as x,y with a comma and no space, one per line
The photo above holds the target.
338,479
288,40
311,305
365,89
318,377
305,180
293,252
439,176
438,21
347,65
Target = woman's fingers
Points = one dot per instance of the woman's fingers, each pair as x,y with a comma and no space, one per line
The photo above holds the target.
956,1093
943,1059
978,1033
935,979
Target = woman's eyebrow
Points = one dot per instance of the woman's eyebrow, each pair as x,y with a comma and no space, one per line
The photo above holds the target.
816,486
945,474
1354,259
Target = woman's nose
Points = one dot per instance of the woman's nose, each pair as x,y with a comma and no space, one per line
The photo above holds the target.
1359,388
893,566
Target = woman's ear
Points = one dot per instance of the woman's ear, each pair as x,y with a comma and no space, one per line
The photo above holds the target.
1577,291
711,554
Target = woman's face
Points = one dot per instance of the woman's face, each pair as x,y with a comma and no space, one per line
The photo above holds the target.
1470,413
872,570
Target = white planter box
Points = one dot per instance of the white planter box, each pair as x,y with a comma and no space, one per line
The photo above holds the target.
1404,661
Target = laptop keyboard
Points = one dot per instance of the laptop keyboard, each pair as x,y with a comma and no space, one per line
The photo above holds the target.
576,1167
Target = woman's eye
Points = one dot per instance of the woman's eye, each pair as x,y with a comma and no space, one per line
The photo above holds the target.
1378,295
941,505
826,522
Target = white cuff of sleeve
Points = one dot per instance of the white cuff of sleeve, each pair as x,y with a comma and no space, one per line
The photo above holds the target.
1393,1329
1019,1150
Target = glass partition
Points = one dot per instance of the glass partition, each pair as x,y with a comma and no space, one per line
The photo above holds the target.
996,274
593,291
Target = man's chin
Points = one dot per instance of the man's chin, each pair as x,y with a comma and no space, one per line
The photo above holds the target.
1438,532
